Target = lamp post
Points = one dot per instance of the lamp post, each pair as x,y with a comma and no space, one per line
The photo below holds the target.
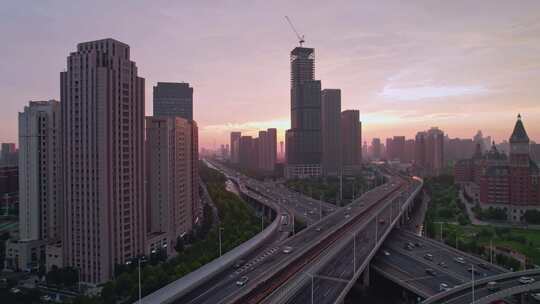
472,275
320,207
140,259
312,286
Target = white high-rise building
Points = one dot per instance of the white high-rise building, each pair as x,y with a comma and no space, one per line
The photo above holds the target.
40,186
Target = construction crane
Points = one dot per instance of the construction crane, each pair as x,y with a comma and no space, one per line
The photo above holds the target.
300,37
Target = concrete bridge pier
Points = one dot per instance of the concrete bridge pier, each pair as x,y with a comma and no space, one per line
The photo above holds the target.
364,280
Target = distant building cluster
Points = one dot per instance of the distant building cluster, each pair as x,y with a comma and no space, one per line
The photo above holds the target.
495,179
255,153
100,184
429,153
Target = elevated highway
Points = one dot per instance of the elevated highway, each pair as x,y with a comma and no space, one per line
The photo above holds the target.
405,259
311,272
325,253
507,285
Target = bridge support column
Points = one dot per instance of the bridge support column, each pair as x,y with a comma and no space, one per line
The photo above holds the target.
365,278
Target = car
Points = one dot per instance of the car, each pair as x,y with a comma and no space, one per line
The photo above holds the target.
347,215
428,256
459,260
416,244
526,280
287,249
492,286
431,272
318,229
444,287
408,247
15,290
382,221
46,298
443,264
386,253
242,281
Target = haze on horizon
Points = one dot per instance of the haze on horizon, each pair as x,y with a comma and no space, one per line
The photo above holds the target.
459,65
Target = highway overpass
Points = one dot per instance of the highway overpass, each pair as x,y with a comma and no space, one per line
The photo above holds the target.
325,251
406,265
326,265
507,285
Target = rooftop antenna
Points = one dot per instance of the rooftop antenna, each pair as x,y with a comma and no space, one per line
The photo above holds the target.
300,37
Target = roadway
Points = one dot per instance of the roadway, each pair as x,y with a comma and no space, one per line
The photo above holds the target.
303,208
291,204
225,288
327,277
407,265
508,284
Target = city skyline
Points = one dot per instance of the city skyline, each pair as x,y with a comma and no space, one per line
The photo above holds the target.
388,64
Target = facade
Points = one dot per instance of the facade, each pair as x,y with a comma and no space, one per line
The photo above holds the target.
173,99
376,148
235,147
9,187
351,141
303,140
8,154
246,152
535,152
102,146
509,182
409,150
40,172
457,148
331,131
271,159
266,150
429,152
170,178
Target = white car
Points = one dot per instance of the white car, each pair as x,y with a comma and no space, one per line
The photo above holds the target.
386,253
459,260
526,280
287,249
242,281
444,287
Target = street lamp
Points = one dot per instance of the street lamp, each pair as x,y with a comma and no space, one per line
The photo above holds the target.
472,275
140,259
312,286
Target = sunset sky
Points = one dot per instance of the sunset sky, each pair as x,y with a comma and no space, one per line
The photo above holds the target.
406,65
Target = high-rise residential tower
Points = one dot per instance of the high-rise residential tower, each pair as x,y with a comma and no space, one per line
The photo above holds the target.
351,140
303,140
40,184
331,131
170,178
102,103
173,99
235,147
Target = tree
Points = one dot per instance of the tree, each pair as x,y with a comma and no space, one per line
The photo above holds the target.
532,216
